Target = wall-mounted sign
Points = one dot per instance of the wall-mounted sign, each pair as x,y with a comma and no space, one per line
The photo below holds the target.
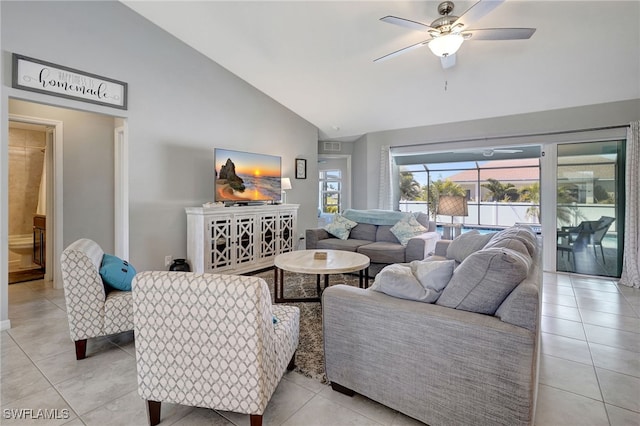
44,77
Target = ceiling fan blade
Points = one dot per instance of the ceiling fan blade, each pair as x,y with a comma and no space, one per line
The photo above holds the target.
474,13
448,61
401,51
413,25
499,34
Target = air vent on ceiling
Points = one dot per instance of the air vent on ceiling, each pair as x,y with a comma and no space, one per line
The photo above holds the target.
332,146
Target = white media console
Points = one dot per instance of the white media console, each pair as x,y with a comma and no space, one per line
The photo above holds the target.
239,239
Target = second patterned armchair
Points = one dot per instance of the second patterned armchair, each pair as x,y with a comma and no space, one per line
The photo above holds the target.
210,340
91,311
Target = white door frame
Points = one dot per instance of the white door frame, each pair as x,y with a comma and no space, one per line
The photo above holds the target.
54,233
121,188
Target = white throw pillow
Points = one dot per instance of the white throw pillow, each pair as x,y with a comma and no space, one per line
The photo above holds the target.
407,228
433,275
421,281
340,227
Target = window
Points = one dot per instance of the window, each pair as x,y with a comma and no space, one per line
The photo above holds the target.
499,192
330,191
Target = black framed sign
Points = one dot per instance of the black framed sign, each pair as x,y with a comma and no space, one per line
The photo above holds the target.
301,168
57,80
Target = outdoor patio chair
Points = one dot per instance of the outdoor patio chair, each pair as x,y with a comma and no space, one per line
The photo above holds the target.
591,232
565,245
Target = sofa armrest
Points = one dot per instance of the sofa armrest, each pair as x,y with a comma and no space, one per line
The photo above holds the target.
315,235
441,248
419,247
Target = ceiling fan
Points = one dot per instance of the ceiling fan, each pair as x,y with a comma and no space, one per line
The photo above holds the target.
448,32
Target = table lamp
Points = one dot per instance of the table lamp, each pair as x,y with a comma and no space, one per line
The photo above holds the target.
285,184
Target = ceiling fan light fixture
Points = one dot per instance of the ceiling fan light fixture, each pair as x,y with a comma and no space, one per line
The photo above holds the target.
446,45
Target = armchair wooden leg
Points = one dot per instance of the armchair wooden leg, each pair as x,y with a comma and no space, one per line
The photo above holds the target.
81,349
153,412
256,419
339,388
292,363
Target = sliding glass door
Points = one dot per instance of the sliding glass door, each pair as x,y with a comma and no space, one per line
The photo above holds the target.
590,208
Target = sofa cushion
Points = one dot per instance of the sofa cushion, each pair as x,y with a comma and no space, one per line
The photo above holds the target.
485,278
407,228
508,243
340,227
383,252
423,219
364,231
523,234
420,281
338,244
469,242
384,234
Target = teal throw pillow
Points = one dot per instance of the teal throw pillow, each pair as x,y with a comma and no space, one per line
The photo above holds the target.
407,228
340,227
117,273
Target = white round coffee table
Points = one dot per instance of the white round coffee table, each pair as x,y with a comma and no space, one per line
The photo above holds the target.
307,262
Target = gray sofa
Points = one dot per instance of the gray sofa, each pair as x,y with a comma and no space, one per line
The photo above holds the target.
441,365
372,237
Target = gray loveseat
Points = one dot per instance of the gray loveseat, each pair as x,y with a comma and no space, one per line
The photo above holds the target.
372,237
440,364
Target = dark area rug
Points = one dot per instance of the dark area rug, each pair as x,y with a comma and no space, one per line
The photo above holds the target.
310,354
26,275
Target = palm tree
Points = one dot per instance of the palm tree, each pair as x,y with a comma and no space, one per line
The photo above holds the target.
501,191
409,188
439,188
567,211
531,193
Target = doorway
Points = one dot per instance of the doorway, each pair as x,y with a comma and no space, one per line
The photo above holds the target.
35,197
27,201
95,178
590,208
334,179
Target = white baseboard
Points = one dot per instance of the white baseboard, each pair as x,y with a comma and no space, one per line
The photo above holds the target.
5,325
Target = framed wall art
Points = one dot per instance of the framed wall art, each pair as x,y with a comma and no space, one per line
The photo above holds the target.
301,168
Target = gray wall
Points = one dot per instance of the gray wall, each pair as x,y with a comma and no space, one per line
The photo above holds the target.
444,136
181,106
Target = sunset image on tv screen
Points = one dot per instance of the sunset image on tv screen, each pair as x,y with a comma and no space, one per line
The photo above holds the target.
245,176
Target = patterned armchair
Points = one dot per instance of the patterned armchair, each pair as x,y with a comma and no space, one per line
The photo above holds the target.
210,340
90,310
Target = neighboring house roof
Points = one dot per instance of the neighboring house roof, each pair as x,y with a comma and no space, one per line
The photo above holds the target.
511,170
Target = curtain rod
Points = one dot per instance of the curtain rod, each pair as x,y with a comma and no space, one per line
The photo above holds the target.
561,132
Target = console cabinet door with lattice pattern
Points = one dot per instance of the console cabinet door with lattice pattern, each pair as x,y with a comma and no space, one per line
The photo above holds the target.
239,239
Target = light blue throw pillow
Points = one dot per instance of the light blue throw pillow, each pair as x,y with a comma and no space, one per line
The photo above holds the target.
117,273
340,227
407,228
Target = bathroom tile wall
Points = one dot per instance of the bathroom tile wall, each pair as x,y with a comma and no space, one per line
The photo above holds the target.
26,157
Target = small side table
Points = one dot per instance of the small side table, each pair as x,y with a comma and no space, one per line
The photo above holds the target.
451,230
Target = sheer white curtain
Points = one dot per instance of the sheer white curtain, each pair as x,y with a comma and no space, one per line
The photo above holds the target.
630,264
385,195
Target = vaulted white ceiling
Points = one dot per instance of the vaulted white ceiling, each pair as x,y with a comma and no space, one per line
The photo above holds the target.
316,58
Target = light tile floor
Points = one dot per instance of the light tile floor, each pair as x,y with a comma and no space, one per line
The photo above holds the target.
589,368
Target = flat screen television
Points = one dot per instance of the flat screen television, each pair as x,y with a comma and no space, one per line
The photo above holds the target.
245,177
